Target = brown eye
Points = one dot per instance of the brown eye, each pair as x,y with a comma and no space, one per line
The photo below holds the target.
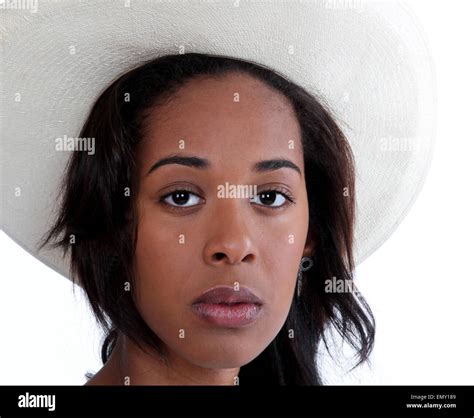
271,198
181,198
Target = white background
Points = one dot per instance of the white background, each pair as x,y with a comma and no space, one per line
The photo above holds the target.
419,284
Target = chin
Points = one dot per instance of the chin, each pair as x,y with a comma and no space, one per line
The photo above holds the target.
223,358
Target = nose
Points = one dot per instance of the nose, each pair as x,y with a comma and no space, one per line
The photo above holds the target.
231,240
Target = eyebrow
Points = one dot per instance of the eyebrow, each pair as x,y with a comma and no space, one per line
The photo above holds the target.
203,163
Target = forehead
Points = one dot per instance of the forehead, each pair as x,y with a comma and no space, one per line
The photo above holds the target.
229,120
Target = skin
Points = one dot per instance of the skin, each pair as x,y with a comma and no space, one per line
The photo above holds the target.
226,240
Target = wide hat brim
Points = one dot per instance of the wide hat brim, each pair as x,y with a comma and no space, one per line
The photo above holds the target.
369,60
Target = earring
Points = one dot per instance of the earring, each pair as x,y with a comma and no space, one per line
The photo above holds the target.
309,263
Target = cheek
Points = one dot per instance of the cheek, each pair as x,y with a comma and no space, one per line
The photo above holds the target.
281,250
159,270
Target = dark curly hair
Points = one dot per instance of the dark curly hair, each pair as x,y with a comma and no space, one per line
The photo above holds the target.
101,217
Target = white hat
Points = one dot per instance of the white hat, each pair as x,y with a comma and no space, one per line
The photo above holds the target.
368,60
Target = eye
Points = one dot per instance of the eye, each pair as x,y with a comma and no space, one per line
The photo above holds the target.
272,198
181,199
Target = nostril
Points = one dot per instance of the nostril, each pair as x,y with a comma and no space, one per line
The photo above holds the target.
219,256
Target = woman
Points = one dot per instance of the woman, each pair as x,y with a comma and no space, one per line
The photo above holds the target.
149,231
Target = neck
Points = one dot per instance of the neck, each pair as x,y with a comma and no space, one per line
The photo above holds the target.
129,365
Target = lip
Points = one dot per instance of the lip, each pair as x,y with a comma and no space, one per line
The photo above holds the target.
227,294
223,306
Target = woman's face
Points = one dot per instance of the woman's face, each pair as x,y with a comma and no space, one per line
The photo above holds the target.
199,239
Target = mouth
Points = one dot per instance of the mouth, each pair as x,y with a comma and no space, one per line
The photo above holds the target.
225,307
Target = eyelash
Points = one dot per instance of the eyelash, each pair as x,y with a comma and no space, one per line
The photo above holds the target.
289,199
